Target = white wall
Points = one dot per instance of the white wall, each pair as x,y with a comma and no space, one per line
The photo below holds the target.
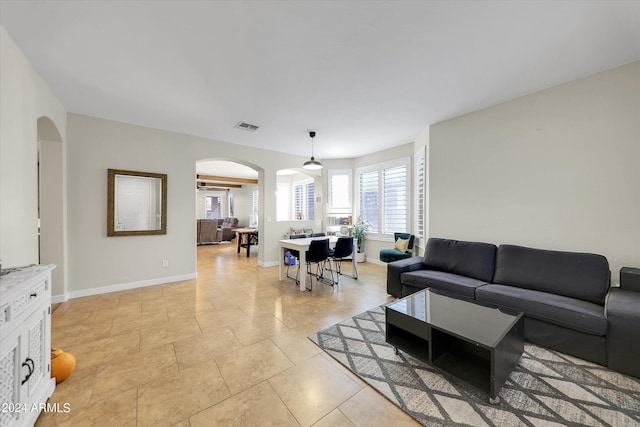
557,169
24,97
242,203
94,145
96,260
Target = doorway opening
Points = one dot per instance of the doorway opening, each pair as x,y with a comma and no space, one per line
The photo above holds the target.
227,199
51,221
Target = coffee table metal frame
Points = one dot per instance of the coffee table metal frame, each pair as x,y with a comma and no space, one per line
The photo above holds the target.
481,350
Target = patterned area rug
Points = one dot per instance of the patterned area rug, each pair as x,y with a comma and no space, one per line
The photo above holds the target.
546,388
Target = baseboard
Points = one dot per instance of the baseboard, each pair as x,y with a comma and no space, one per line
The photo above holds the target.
373,260
55,299
268,264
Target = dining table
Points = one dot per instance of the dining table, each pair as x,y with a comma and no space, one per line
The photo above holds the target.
302,246
246,237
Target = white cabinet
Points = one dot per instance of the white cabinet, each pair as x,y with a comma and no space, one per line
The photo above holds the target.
25,344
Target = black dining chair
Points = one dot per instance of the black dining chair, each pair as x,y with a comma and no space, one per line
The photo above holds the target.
318,254
317,235
342,250
295,254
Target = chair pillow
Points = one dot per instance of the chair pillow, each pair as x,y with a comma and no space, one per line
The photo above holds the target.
402,245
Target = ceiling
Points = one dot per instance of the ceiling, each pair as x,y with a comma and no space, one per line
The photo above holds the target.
365,75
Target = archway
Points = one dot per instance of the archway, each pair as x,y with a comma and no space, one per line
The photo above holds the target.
51,218
228,188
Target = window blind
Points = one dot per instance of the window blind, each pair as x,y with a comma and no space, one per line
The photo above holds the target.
370,198
310,205
420,178
395,199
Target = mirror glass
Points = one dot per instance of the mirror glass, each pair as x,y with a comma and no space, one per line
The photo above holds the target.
137,203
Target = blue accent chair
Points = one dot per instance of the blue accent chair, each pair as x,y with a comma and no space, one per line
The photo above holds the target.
390,255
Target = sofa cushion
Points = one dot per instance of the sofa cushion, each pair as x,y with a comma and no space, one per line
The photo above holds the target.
391,255
577,275
472,259
449,282
564,311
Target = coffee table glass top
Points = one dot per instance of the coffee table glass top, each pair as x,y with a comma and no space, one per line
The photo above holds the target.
479,323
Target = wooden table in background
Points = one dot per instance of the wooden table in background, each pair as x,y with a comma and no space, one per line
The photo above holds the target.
246,237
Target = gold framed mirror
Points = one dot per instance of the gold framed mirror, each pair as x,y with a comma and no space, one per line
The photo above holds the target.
136,203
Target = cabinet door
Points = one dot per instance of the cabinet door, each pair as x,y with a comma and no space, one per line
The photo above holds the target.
9,380
34,352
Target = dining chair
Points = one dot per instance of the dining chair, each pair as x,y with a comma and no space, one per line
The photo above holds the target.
318,254
342,250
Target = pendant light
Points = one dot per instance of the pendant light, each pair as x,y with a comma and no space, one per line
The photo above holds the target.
312,164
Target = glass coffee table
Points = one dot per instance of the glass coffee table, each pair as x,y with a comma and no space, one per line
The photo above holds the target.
475,343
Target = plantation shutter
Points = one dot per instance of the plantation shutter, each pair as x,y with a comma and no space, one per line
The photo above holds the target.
395,199
298,202
420,171
310,201
369,199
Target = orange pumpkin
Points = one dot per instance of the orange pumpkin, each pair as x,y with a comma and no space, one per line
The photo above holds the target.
62,365
56,352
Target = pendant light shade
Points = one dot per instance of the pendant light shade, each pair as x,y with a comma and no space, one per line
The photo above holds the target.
312,164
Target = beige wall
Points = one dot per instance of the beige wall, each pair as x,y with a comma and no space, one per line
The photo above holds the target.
24,98
98,261
557,169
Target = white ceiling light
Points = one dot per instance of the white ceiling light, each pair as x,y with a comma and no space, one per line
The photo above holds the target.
312,164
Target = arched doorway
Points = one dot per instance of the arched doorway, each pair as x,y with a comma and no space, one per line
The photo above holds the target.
51,218
228,188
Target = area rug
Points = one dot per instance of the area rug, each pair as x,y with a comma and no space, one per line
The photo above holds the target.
546,388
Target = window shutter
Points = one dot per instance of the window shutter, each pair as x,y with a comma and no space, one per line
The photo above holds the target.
310,201
298,201
370,199
395,200
420,206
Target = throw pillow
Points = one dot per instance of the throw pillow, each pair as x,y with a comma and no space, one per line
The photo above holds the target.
402,245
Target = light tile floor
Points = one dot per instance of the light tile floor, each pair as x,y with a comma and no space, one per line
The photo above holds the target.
229,348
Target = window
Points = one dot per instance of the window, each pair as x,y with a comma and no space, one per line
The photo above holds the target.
370,199
310,206
295,197
395,199
383,192
420,183
254,207
303,201
213,207
339,192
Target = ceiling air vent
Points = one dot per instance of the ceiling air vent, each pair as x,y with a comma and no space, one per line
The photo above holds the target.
246,126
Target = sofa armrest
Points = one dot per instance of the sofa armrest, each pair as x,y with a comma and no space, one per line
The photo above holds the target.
395,270
623,338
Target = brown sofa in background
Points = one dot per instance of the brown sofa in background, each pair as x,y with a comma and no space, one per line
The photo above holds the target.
228,228
208,231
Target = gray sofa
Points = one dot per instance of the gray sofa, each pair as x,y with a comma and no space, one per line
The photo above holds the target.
562,294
